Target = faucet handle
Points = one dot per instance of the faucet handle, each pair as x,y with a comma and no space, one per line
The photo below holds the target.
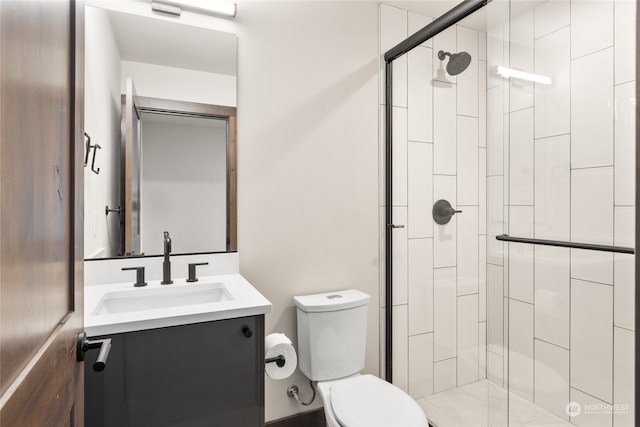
192,271
139,275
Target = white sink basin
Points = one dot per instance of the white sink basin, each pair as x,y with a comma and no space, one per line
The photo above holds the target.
120,307
159,298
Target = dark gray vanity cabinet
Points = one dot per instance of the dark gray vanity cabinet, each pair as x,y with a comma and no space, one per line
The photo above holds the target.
203,374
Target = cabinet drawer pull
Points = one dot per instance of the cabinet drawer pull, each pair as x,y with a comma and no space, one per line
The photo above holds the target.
247,331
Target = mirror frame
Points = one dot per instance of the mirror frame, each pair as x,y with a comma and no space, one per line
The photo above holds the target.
194,109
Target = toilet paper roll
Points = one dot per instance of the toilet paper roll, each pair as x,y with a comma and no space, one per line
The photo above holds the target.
280,345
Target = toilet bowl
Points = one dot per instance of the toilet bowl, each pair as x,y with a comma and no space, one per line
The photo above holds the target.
368,401
332,330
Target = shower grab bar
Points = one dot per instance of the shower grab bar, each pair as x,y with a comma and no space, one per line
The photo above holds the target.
602,248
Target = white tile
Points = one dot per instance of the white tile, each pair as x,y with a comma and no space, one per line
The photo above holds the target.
592,110
625,144
505,334
420,190
624,290
482,350
399,257
495,131
467,157
420,97
521,348
400,347
444,313
467,339
495,368
521,58
591,413
592,205
521,157
382,157
418,22
552,286
591,26
482,46
482,104
399,156
623,377
625,40
494,309
495,54
552,188
467,248
521,254
420,286
393,30
444,375
552,378
551,16
444,128
482,277
553,101
624,269
592,338
445,41
467,94
420,365
592,266
482,190
444,187
495,219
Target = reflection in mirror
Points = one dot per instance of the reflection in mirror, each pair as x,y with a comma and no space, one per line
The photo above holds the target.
168,60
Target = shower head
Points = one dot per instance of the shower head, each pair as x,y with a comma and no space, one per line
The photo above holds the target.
458,62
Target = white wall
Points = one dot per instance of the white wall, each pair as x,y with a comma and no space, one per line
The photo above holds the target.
184,181
307,161
158,81
102,123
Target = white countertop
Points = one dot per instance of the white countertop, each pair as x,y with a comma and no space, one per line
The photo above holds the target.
244,300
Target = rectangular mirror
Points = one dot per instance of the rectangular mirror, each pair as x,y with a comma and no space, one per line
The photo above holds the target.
185,82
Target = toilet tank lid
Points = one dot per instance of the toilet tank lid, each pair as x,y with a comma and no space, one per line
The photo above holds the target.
331,301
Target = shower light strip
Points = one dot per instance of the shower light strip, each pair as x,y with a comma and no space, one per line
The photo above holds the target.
517,74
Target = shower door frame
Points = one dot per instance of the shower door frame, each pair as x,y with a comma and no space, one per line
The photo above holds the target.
450,18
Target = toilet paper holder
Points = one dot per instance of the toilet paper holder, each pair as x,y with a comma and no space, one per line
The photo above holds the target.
279,360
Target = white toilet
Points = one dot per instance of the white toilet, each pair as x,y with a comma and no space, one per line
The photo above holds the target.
332,331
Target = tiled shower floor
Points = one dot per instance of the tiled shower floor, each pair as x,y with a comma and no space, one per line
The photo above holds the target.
484,404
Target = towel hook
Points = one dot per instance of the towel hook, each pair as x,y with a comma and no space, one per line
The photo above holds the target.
88,147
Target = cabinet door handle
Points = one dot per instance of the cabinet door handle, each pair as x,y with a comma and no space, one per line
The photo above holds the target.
246,331
85,344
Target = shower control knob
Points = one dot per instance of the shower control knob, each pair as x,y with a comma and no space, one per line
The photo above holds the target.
442,212
246,331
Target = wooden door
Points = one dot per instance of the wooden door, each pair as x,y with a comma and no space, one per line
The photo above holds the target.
41,226
131,172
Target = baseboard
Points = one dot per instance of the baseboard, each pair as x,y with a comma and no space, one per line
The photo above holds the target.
313,418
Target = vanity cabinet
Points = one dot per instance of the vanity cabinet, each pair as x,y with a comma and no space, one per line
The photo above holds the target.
203,374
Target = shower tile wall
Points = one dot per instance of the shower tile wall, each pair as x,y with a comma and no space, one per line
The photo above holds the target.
439,293
561,166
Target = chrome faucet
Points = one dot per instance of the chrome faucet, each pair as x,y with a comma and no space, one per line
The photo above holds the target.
166,264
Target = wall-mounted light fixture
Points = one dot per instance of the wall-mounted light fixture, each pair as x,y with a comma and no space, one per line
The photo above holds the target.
214,7
521,75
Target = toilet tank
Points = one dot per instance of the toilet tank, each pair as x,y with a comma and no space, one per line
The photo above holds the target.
332,333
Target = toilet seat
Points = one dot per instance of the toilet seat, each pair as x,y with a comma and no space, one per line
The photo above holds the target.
367,401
